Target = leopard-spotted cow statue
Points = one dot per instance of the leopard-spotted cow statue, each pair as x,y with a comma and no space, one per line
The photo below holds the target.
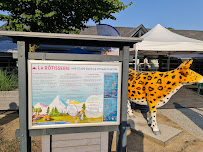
156,88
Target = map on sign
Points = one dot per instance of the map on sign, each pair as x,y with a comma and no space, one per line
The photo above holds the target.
69,94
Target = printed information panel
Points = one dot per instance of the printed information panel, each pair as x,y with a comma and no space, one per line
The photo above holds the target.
73,94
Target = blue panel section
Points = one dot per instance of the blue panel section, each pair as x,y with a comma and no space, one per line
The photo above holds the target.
110,97
111,85
110,109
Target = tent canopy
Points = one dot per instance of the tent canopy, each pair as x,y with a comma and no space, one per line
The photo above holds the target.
161,41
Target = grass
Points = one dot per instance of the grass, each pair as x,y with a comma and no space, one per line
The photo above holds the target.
69,118
8,82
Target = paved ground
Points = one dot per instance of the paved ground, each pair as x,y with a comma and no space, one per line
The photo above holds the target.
185,97
190,119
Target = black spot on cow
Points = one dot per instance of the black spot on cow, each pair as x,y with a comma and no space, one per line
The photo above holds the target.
133,91
150,101
142,97
152,94
150,89
153,107
159,81
154,99
149,77
173,83
128,84
133,85
144,77
164,95
166,76
168,82
180,77
161,74
146,94
138,77
132,95
160,88
146,83
169,88
129,91
138,88
143,88
155,77
159,96
138,92
140,82
173,76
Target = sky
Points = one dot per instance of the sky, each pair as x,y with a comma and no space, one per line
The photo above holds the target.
178,14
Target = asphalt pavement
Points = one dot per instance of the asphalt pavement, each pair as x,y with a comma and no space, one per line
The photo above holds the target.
190,119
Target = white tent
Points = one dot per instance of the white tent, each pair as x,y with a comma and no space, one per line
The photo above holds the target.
161,41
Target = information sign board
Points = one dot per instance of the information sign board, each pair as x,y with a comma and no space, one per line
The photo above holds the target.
73,94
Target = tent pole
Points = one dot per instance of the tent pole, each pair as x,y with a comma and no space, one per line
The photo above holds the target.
168,62
136,53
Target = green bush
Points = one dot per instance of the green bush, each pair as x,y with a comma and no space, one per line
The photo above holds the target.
8,82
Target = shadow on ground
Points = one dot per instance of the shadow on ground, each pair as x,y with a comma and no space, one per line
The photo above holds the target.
197,118
135,140
13,114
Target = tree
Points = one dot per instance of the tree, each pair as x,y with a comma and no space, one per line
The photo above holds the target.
48,111
83,106
33,109
170,28
54,112
57,16
38,110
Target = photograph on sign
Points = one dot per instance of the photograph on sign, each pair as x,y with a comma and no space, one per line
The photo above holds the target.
73,94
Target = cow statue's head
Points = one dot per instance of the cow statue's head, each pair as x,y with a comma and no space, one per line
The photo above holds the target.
188,76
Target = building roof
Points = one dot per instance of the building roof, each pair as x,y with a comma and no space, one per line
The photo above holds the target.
124,31
190,33
131,31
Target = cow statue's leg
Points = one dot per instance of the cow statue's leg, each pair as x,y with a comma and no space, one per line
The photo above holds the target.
149,119
129,110
154,125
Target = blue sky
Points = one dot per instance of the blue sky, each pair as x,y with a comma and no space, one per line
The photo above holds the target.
178,14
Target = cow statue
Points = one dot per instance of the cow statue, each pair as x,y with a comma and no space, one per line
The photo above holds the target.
156,88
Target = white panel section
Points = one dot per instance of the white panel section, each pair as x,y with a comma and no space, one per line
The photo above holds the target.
78,142
46,143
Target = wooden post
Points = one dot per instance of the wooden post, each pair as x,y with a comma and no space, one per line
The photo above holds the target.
25,139
122,134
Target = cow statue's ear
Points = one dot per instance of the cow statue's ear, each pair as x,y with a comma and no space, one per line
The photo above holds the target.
184,63
189,63
186,66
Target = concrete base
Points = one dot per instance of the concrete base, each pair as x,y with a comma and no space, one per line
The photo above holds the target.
168,134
